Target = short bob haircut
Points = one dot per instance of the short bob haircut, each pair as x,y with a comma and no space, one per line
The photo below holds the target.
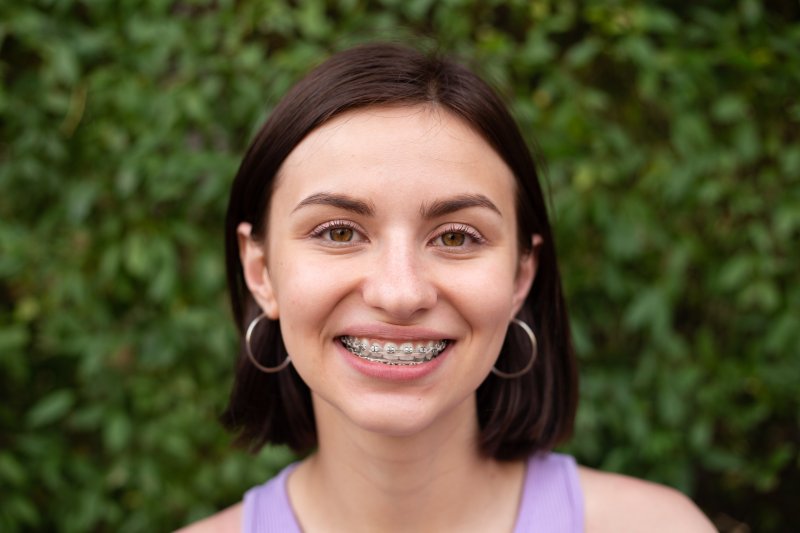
518,416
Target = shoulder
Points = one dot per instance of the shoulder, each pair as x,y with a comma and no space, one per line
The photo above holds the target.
620,503
226,521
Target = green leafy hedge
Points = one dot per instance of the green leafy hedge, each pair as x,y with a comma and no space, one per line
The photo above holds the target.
670,131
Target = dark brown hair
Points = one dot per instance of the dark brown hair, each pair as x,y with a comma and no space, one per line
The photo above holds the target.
517,416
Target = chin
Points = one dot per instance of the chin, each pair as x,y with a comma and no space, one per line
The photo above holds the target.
401,416
397,426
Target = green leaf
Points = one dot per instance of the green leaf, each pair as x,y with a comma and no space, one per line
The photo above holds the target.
51,408
117,432
11,471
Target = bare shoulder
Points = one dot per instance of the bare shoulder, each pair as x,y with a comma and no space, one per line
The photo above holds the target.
226,521
624,504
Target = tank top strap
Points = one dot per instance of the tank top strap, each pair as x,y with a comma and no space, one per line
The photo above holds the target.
552,498
266,508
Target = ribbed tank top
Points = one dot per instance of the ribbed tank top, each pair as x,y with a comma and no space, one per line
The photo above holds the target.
552,500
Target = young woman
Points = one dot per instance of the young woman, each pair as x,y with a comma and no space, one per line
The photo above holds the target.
393,274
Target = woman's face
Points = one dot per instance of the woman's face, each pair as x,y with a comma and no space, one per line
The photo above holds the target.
391,230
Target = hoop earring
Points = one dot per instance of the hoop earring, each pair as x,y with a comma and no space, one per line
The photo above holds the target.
267,369
534,351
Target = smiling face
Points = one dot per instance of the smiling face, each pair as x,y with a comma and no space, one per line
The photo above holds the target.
391,260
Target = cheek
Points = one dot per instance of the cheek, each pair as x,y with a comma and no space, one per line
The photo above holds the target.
483,299
308,288
484,290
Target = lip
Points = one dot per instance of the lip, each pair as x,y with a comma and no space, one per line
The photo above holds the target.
395,373
389,332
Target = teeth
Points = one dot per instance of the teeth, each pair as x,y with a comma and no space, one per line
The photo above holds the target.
391,353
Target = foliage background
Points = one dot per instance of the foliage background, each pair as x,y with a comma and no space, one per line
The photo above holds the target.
670,131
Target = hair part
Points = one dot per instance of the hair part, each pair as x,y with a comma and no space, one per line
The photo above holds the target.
518,416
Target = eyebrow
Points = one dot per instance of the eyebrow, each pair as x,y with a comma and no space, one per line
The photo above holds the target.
341,201
456,203
436,209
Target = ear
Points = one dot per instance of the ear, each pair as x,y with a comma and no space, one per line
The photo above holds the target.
526,272
252,255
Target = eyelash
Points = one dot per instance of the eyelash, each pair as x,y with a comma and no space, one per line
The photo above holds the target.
320,231
471,233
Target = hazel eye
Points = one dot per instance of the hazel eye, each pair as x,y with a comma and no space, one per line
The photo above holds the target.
458,238
341,234
338,233
452,238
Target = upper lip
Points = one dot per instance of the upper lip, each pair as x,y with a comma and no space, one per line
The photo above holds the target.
391,332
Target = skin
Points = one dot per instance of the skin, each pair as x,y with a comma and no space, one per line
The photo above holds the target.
355,244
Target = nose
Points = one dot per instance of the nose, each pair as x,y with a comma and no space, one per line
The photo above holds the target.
398,282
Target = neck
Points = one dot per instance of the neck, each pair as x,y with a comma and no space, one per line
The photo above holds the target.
369,481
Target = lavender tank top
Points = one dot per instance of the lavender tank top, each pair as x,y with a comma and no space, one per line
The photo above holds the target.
552,500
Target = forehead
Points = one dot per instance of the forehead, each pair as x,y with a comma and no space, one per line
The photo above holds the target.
378,149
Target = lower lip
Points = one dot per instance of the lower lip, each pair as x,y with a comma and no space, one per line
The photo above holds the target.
381,371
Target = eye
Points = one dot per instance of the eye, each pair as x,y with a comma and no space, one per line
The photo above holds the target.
338,232
341,234
458,237
451,238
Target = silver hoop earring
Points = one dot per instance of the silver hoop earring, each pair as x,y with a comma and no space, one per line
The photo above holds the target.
267,369
534,350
